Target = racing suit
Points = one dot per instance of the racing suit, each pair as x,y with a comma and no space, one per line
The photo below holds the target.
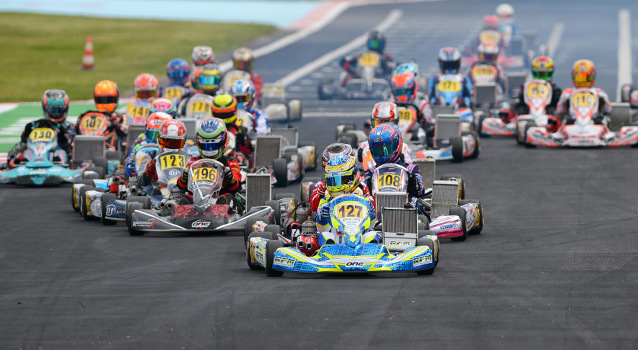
424,117
114,123
242,140
415,182
130,158
260,120
321,204
466,89
65,132
349,65
522,108
604,106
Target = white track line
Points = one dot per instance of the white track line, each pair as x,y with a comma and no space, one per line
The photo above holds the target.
390,20
624,50
554,38
335,114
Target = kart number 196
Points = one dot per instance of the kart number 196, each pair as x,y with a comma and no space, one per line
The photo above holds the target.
204,174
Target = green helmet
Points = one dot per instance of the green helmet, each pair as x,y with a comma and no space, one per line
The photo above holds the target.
212,138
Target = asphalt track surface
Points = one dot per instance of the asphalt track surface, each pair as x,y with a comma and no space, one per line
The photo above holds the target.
555,267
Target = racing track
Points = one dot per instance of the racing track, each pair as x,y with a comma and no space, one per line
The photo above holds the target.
555,267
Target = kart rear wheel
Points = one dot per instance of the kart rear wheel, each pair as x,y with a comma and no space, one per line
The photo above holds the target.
479,227
274,204
106,197
426,242
460,212
130,208
248,259
295,110
100,162
84,205
424,223
457,149
271,248
248,229
74,202
477,148
479,128
144,200
90,175
280,170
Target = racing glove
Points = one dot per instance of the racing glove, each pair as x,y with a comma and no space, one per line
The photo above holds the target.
150,171
323,215
413,189
360,154
228,175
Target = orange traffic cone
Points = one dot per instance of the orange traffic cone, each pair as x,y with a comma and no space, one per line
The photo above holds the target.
87,59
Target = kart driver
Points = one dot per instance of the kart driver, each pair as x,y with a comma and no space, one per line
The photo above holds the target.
331,151
376,43
406,94
244,92
202,55
150,135
542,69
225,109
106,96
205,80
178,72
584,76
450,64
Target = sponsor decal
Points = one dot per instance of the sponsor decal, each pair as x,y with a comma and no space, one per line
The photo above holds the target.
284,261
111,209
448,227
259,255
201,223
400,243
143,224
355,264
421,260
174,172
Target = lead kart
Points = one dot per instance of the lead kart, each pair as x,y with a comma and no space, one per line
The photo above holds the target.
367,85
583,132
206,214
45,162
350,247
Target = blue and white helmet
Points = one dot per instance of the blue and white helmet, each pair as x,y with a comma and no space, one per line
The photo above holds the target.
244,92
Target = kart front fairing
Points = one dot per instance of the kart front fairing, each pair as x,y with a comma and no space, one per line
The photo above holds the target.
583,136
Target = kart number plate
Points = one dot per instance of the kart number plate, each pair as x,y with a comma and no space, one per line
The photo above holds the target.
483,71
173,92
490,36
406,115
93,122
42,134
368,60
535,91
389,181
449,86
350,210
200,107
583,99
169,161
204,174
139,112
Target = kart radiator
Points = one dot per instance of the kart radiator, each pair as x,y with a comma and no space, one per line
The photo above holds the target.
87,147
400,228
289,134
257,190
442,109
514,81
485,93
447,126
445,196
390,200
620,115
427,167
191,128
267,148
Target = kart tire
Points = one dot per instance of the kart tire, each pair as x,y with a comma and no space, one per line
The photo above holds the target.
424,233
479,227
271,248
426,242
477,141
295,110
425,223
345,127
529,125
113,155
130,208
280,170
460,212
248,229
274,204
248,260
311,188
83,204
457,149
106,197
274,231
100,162
320,90
517,133
86,182
90,176
283,195
144,200
461,182
479,127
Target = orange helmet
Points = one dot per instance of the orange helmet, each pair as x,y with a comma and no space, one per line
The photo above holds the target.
146,86
106,96
172,135
153,124
488,51
583,74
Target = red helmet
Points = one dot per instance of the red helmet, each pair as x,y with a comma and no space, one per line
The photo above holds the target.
153,124
146,86
172,135
490,22
404,87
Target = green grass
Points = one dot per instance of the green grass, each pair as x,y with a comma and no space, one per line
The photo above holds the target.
42,52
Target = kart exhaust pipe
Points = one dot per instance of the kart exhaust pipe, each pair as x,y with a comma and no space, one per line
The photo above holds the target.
300,245
309,246
133,190
169,205
161,205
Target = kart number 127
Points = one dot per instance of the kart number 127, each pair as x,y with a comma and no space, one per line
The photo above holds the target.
349,210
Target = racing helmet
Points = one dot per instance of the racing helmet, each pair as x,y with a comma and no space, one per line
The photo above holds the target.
449,60
106,96
202,55
408,67
178,71
244,92
404,87
210,77
146,86
153,124
243,59
543,68
55,105
212,138
225,108
384,112
341,174
583,74
163,105
172,135
376,41
488,52
194,78
490,22
386,144
334,149
633,99
505,11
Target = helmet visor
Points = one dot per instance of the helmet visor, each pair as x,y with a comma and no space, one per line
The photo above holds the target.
172,143
547,75
336,182
209,82
450,66
375,44
56,112
403,92
376,122
383,153
243,98
210,148
145,94
103,100
152,134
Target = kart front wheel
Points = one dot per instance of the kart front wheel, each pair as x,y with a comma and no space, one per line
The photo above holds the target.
280,170
106,198
131,207
460,212
271,248
426,242
457,149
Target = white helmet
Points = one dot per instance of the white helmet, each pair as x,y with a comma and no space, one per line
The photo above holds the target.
384,112
505,11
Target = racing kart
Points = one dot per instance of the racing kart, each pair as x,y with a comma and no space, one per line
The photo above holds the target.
207,213
449,93
368,83
277,107
45,164
350,247
449,141
583,132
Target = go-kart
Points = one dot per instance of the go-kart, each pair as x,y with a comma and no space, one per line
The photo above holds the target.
135,122
277,107
368,83
450,141
583,132
204,215
449,98
43,164
350,247
198,107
